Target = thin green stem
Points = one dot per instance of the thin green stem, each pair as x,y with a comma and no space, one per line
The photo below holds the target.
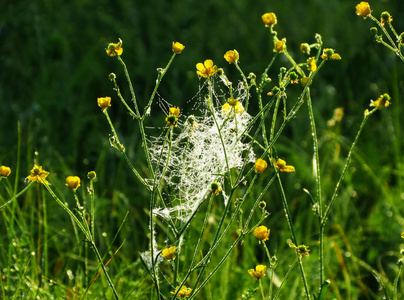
132,91
247,88
400,268
348,160
278,292
118,91
18,195
318,198
161,74
85,230
262,289
292,230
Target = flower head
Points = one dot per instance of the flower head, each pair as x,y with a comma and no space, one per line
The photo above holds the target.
182,292
73,182
232,56
363,9
178,47
269,19
114,49
227,107
386,18
305,48
172,119
38,175
215,187
5,171
206,69
279,46
258,272
260,165
91,175
329,53
280,164
174,111
169,253
104,102
261,233
311,64
382,101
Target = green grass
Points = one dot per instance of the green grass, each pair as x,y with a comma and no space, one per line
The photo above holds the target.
54,68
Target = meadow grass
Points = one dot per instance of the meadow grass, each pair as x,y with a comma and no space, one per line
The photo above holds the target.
105,239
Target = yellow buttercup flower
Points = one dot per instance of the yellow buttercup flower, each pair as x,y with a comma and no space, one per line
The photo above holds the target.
178,47
269,19
226,108
329,53
5,171
73,182
260,165
262,233
382,101
169,253
206,69
279,46
183,292
114,49
363,9
258,272
172,119
232,56
174,111
311,64
104,102
280,164
38,175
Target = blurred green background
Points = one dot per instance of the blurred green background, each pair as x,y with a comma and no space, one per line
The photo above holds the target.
54,66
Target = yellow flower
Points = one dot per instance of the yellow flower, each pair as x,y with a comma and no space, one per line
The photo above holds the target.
226,108
114,49
382,101
183,292
5,171
231,56
269,19
38,175
281,165
329,53
169,253
260,165
215,187
206,69
178,47
104,102
363,9
261,233
258,272
311,64
174,111
305,48
279,46
73,182
402,235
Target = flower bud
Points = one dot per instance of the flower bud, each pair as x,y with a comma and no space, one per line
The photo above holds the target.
5,171
73,182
